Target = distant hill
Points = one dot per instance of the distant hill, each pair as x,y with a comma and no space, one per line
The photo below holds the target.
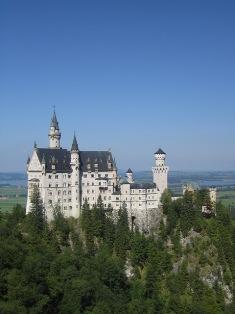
176,178
13,178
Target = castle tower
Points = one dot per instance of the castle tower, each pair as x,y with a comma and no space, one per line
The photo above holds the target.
160,171
54,133
75,179
129,176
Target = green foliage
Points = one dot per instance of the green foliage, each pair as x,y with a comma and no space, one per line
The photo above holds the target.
37,210
98,265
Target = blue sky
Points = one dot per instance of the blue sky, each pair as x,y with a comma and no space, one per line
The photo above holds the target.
127,75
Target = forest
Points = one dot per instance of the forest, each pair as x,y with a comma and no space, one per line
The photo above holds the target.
97,264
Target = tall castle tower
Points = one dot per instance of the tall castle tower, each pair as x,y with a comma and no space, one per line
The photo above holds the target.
54,133
160,171
75,178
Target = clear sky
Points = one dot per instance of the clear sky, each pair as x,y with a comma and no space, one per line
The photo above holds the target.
127,75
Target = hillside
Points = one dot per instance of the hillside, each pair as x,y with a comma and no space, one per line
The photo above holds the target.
97,265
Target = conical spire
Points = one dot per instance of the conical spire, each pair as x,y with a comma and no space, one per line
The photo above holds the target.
54,122
74,144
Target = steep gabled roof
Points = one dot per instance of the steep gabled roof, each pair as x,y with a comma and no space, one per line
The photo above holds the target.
100,158
60,160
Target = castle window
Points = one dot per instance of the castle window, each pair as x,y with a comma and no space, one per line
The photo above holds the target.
64,200
88,183
109,197
99,175
56,176
56,185
50,201
50,193
69,192
69,176
49,176
93,191
92,175
92,183
106,175
69,184
117,198
64,184
64,192
88,191
65,207
85,175
49,185
99,183
59,192
69,200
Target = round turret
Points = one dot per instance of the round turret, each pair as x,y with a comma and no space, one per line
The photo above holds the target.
129,175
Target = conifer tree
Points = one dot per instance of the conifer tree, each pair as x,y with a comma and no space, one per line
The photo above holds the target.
37,210
122,238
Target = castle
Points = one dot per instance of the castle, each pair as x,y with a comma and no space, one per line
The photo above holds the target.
69,177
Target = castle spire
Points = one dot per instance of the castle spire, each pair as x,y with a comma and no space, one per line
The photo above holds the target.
54,132
54,121
74,146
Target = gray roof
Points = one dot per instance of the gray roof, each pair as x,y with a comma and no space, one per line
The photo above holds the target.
54,121
61,159
160,152
74,144
143,186
129,171
102,158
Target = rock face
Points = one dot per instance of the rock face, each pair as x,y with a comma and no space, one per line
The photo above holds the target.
201,255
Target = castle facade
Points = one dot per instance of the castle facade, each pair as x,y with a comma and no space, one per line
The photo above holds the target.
69,177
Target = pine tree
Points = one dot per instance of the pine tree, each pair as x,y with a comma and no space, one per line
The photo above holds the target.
37,210
122,238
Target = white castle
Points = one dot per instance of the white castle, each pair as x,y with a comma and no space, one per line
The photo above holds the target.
69,177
